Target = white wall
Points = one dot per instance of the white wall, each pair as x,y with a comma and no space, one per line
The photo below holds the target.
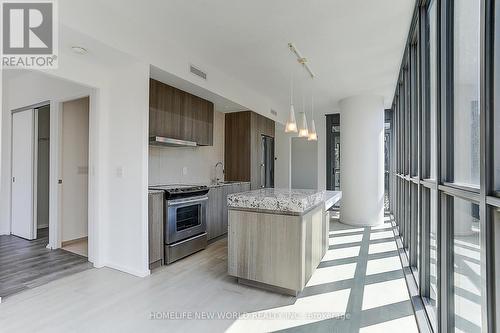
282,153
304,164
126,172
20,91
118,155
321,130
362,160
166,164
43,168
284,159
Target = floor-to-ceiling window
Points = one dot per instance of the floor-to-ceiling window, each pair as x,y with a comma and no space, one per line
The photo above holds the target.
447,166
464,119
493,209
463,165
429,221
333,152
496,118
467,293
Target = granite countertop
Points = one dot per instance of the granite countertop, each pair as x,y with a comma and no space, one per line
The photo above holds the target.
284,201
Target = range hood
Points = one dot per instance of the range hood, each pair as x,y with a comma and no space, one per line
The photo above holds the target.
169,142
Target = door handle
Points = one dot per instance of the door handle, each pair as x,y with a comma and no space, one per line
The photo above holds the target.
262,175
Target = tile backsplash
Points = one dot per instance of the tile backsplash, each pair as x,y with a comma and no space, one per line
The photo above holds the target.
170,165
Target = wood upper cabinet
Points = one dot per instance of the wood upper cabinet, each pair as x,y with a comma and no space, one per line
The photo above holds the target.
176,114
243,150
237,146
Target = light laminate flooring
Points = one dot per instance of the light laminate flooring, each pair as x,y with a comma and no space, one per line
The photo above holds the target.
358,287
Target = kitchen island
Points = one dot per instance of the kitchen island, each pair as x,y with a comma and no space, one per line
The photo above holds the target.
277,237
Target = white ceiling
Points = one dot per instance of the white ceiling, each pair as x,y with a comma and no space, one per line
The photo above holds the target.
353,46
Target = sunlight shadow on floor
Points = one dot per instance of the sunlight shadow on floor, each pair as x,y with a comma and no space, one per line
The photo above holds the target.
359,286
383,265
384,293
389,246
342,253
406,324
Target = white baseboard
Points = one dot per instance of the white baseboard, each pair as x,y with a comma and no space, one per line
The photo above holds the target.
98,264
129,271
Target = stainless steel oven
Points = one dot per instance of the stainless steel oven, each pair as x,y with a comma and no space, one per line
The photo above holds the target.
185,226
185,218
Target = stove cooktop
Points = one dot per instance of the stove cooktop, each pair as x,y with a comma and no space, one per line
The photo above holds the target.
173,191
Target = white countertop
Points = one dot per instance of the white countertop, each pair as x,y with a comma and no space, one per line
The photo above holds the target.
285,201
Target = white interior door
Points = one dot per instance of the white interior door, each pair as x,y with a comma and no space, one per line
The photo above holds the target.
23,154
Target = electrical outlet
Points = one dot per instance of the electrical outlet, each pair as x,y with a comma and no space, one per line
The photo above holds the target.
119,172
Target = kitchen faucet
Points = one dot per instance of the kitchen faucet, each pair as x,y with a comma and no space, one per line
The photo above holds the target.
217,179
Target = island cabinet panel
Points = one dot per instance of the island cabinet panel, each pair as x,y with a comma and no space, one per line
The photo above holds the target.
243,149
177,114
266,248
276,251
314,241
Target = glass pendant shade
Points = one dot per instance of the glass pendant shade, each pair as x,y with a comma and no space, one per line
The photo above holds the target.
291,124
313,136
303,131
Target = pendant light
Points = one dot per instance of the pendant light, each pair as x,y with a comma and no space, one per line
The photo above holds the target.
313,136
291,124
303,130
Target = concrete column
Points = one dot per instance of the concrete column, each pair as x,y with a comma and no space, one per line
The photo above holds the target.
362,160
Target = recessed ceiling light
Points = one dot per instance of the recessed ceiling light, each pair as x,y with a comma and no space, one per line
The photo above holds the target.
79,49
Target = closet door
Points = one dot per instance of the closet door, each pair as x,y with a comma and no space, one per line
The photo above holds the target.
23,157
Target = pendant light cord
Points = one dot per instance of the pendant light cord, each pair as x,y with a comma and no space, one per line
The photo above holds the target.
312,106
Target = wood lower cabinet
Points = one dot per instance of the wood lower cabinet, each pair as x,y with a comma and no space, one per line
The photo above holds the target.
177,114
214,212
217,215
155,228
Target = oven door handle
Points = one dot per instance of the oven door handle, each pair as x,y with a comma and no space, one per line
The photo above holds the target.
186,201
